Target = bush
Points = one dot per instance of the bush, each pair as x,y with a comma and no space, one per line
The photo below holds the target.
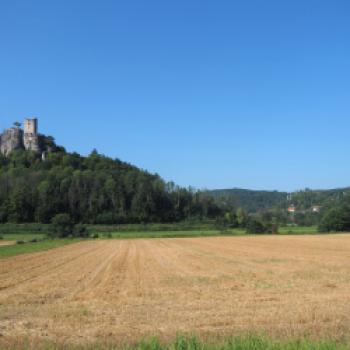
62,225
106,218
81,230
221,224
255,226
336,219
95,236
274,229
20,242
1,237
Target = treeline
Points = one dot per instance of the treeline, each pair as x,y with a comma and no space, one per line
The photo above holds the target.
305,199
267,207
336,217
99,190
93,190
251,201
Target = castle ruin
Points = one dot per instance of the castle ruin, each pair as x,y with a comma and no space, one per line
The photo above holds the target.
27,138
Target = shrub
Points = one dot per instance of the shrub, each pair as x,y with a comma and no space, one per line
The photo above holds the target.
62,225
95,236
1,237
81,230
20,242
336,219
274,229
106,218
221,224
255,226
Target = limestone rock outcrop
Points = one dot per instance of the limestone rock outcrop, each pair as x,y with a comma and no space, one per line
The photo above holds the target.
27,138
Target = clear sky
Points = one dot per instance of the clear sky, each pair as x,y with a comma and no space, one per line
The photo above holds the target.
213,94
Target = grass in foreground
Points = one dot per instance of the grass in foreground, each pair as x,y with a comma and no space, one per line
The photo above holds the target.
249,342
17,249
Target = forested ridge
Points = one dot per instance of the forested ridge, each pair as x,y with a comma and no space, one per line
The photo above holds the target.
92,189
100,190
254,201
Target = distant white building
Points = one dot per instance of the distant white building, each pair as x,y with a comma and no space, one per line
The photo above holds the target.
291,209
316,208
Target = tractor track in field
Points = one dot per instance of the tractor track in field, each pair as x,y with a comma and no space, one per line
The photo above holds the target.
42,271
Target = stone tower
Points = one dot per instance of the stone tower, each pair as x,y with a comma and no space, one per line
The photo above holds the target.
30,135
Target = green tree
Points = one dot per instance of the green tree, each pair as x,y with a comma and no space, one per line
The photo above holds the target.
336,219
62,225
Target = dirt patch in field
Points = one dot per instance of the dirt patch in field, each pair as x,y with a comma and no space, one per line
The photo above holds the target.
3,243
125,290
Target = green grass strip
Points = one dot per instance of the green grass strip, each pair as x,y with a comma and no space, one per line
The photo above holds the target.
17,249
249,342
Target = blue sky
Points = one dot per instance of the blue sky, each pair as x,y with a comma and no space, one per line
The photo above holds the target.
213,94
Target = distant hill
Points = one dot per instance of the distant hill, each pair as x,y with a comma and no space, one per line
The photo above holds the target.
251,200
95,189
254,200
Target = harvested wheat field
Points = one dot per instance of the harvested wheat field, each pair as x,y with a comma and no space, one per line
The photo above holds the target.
123,290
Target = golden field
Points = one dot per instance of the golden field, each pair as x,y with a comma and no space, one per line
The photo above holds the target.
124,290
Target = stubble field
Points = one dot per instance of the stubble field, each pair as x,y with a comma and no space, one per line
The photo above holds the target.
123,290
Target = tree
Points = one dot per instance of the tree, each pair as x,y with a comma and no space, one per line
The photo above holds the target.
336,219
93,189
62,225
241,217
255,226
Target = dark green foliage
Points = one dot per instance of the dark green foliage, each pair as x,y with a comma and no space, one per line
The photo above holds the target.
92,190
221,224
336,219
250,200
81,231
260,202
274,228
307,218
25,229
256,226
62,226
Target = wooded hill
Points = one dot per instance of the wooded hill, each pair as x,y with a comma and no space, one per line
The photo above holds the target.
100,190
93,189
254,201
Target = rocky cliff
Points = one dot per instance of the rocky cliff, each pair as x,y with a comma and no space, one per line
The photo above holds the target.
28,139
